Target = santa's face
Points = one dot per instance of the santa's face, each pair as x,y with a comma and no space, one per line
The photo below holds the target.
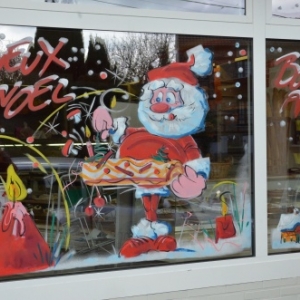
165,100
173,109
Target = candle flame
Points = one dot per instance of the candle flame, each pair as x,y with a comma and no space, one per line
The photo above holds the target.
15,188
224,206
87,132
113,102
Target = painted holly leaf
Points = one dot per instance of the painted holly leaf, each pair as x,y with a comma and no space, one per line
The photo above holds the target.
162,155
87,132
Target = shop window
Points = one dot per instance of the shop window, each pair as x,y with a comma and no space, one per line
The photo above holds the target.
122,150
232,7
283,145
286,9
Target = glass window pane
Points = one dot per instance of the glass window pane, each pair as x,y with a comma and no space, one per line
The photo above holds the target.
283,145
286,9
122,150
232,7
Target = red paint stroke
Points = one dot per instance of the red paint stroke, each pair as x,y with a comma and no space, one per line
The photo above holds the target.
213,244
14,212
293,96
104,158
288,67
24,68
23,248
224,227
129,173
197,241
66,98
14,51
145,168
9,99
223,244
153,182
51,53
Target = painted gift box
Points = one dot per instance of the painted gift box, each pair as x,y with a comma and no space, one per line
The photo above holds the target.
224,227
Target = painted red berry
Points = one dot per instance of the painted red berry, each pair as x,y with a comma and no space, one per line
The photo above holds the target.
89,211
106,170
103,75
30,140
99,201
243,52
35,164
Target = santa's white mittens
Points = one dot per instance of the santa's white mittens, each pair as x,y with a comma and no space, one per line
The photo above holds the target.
149,229
203,60
119,127
200,165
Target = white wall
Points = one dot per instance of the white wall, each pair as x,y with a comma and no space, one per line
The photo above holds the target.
280,289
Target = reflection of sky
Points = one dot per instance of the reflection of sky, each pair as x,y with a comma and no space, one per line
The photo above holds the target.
16,33
234,7
286,8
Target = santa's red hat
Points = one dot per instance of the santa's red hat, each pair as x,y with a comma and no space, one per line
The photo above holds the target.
199,63
181,71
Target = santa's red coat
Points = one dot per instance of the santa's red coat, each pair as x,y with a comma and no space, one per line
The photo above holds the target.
139,144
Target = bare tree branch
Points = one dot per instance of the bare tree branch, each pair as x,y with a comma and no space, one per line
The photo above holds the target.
133,54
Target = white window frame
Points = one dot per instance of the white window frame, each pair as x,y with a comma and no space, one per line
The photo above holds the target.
257,24
81,9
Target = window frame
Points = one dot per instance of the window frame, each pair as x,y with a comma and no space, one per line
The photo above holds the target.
127,12
257,24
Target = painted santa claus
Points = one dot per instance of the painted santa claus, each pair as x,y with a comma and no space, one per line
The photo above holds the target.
172,107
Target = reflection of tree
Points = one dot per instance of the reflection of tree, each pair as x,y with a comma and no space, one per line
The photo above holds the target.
87,72
97,61
83,75
8,77
133,54
72,52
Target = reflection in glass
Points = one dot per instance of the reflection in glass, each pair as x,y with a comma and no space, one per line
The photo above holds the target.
231,7
131,149
283,145
286,9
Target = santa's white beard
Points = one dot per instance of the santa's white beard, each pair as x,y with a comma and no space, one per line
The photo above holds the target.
188,119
